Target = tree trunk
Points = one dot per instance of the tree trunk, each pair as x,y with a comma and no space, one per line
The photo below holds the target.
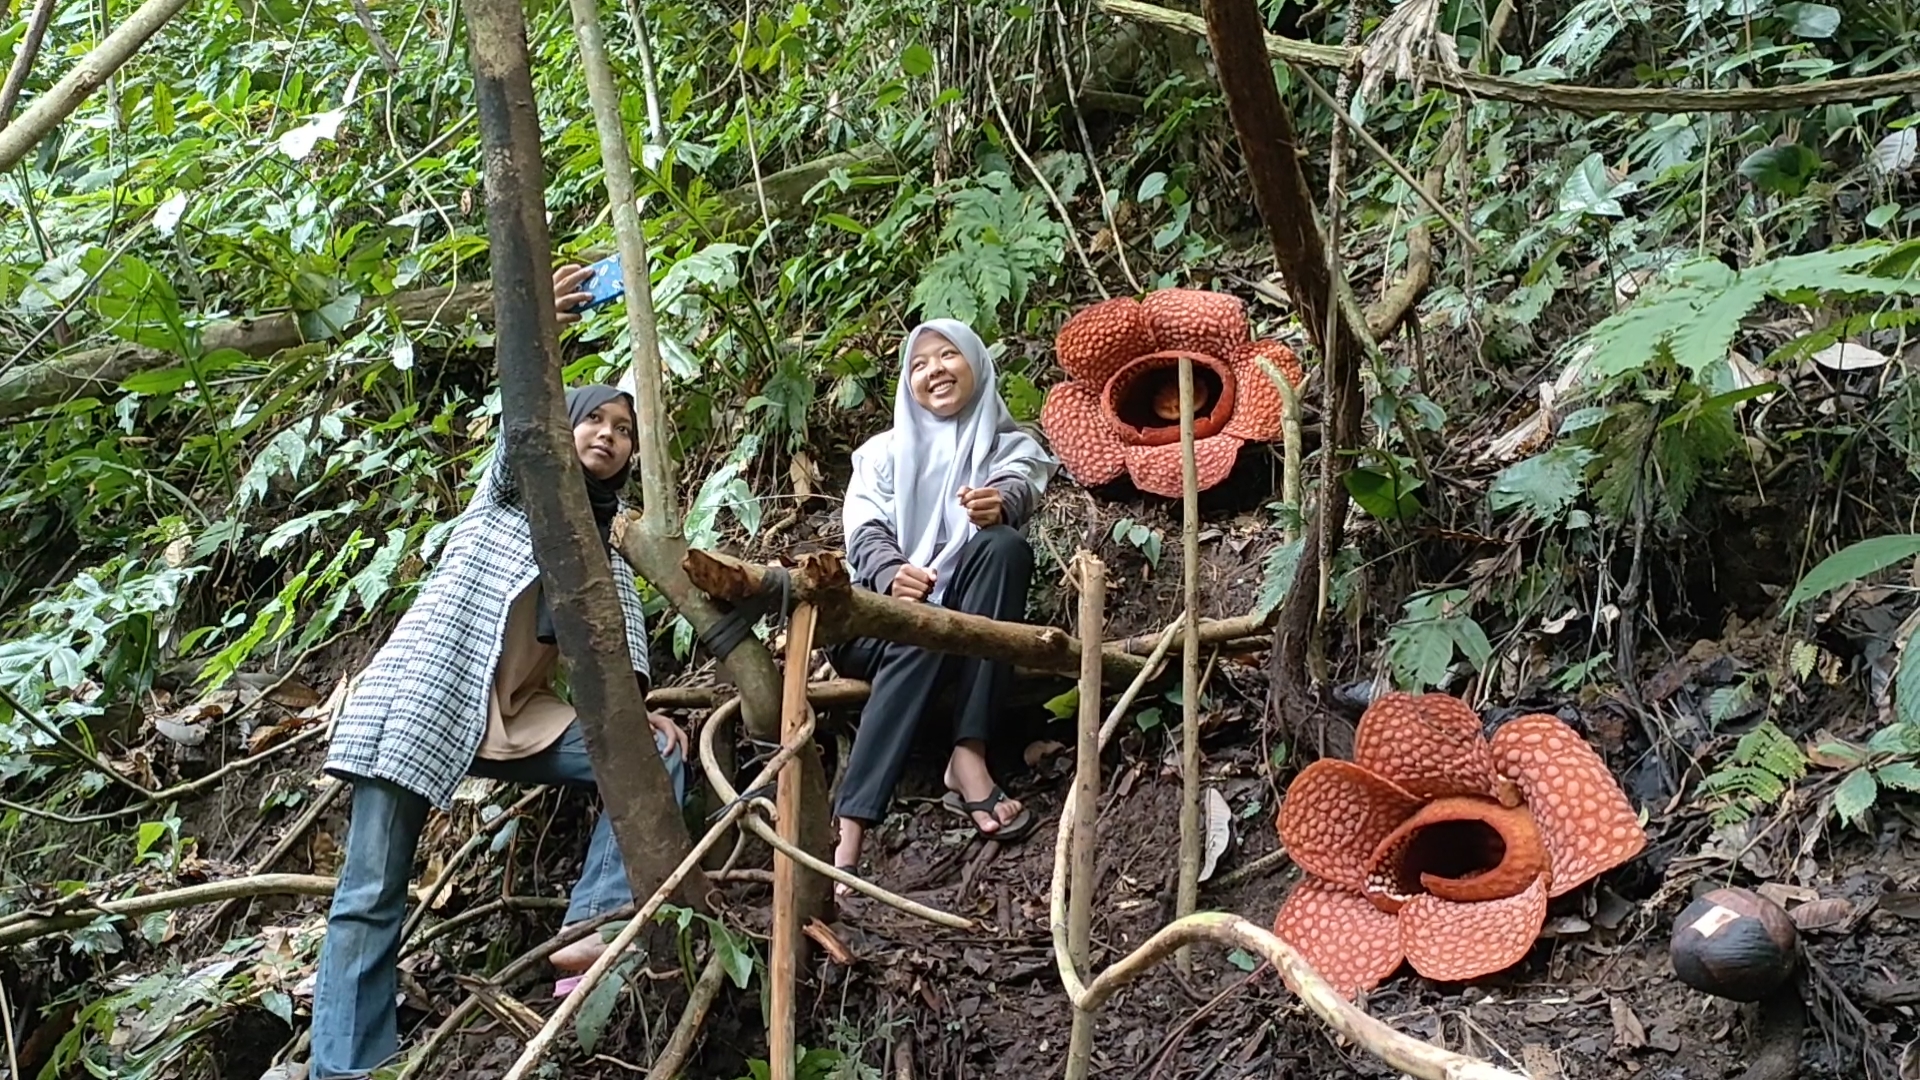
578,583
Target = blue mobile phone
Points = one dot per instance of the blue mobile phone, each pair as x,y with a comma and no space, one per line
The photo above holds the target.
604,286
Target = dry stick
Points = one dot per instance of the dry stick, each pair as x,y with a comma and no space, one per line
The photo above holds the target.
475,914
1252,870
1188,896
6,1021
1159,653
17,78
82,79
258,885
674,1055
538,1046
782,1055
717,779
1092,576
1289,451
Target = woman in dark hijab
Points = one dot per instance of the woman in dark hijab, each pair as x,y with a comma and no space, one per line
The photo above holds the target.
466,685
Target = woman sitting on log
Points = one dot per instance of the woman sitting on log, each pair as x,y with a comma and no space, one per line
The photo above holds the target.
466,685
934,513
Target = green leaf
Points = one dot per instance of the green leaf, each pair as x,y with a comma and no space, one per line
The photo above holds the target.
1276,576
1418,651
1901,775
154,925
916,60
1590,190
1151,186
279,1004
1855,796
1851,563
590,1023
736,955
169,380
1472,641
1543,486
1882,214
149,835
1023,398
1783,170
1242,959
1906,684
1149,718
1381,495
1064,706
1810,20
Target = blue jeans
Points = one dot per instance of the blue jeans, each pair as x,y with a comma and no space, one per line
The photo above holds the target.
355,1021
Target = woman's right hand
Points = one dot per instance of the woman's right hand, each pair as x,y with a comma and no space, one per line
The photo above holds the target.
911,583
567,293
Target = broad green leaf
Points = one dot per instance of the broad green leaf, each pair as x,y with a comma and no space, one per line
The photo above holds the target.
736,955
916,60
1901,775
1276,576
1906,684
1151,186
1855,796
1808,20
1065,705
1851,563
1782,170
168,380
1543,486
1382,495
1472,641
1023,398
1590,190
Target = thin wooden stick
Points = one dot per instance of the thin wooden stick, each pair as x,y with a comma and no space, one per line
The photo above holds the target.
542,1041
674,1055
1160,650
784,953
6,1022
10,91
1092,578
59,101
1191,842
34,926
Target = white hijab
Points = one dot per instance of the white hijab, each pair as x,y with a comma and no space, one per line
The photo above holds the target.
910,476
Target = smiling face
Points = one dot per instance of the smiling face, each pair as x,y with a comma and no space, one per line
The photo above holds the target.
604,440
939,376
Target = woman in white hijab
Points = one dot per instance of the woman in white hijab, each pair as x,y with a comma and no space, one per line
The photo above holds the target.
935,514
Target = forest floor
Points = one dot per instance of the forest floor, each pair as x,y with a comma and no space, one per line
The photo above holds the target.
1596,998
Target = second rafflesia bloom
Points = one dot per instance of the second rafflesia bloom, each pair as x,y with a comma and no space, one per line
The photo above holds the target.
1439,847
1119,410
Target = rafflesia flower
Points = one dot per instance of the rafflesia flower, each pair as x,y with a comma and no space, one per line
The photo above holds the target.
1119,410
1439,847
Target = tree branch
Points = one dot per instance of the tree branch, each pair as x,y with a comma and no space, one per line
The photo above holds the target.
1589,101
34,926
83,79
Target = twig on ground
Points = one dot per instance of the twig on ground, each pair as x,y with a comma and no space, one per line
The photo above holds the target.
1147,670
6,1023
258,885
285,844
1173,1040
475,914
679,1044
1250,871
474,843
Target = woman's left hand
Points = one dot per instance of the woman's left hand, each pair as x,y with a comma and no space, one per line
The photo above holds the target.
983,505
676,736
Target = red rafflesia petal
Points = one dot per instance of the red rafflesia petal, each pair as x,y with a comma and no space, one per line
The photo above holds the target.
1334,816
1191,320
1450,942
1352,945
1258,406
1585,819
1098,340
1089,449
1156,469
1429,744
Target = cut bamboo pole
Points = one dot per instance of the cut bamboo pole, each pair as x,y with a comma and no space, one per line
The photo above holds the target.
1191,841
782,968
1091,575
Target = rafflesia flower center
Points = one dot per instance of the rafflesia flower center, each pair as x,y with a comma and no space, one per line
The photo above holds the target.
1143,398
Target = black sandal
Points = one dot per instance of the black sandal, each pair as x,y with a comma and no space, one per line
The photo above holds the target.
1009,831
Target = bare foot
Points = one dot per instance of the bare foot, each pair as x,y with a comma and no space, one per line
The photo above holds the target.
578,956
846,854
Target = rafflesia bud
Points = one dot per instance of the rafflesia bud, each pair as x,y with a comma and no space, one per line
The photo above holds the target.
1735,944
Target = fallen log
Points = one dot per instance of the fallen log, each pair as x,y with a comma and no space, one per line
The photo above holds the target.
846,612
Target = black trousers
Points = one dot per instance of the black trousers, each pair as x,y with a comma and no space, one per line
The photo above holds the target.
994,571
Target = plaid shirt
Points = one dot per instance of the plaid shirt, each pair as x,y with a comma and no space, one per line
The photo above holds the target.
419,712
